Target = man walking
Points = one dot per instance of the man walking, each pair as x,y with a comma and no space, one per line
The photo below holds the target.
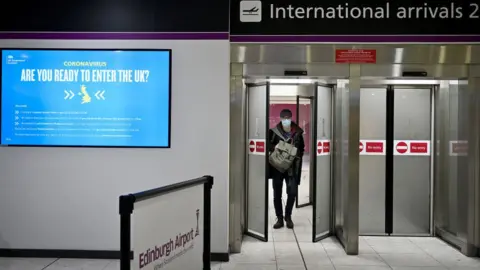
290,132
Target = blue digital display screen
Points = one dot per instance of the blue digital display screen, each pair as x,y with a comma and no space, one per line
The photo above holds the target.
97,98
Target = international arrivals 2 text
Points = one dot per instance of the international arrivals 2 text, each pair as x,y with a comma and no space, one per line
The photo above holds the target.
452,10
156,253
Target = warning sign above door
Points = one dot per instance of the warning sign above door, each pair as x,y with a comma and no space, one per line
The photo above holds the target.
256,147
411,148
323,147
355,56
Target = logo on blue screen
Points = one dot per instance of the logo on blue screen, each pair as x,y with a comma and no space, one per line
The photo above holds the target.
12,60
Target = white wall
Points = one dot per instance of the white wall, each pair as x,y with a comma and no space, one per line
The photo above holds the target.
67,198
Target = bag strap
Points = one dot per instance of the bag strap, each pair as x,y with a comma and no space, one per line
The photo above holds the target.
276,131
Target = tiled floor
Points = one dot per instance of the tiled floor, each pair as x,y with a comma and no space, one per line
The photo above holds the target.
293,250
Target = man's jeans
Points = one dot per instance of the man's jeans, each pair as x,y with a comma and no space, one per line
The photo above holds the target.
278,179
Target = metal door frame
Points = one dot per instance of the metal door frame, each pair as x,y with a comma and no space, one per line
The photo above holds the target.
312,147
331,230
267,167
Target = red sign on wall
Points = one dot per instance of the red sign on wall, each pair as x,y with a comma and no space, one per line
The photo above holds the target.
326,146
419,147
323,147
356,56
256,146
251,146
411,148
402,147
260,147
374,147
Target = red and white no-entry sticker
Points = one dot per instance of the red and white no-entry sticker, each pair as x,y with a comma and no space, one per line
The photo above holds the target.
323,147
360,149
251,146
458,148
401,147
256,147
411,148
372,147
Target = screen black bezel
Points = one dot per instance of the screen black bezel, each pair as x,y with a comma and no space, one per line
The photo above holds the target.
92,146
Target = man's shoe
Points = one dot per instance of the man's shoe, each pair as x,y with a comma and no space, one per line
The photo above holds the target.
289,222
279,223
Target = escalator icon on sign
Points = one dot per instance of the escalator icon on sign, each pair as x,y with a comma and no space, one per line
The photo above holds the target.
250,11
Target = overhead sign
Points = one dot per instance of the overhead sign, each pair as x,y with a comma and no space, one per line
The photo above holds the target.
351,19
411,148
323,147
355,56
151,18
458,148
372,147
172,239
256,146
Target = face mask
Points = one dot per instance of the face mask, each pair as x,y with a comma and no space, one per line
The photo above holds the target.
286,122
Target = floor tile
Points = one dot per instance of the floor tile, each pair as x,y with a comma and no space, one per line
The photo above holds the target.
291,267
380,240
359,260
284,236
417,260
438,250
24,263
364,267
304,237
365,248
333,247
457,260
288,254
255,252
314,254
320,267
419,268
387,247
248,266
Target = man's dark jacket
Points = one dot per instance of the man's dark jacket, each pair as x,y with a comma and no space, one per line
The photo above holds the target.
298,142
